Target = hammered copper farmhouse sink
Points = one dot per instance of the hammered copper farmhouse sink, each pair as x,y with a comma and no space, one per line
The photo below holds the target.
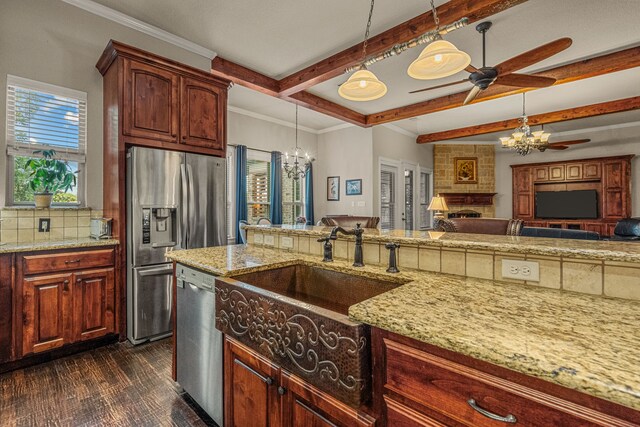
296,316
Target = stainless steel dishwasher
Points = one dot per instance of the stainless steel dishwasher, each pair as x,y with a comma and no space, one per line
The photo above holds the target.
199,343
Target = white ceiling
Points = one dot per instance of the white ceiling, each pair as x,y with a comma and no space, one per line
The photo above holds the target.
278,37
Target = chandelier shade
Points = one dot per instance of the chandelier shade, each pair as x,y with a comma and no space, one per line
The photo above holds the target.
523,140
439,59
363,85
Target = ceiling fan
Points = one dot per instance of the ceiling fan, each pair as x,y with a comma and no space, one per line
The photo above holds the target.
565,144
503,73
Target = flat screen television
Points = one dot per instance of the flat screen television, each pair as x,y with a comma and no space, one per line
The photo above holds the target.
577,204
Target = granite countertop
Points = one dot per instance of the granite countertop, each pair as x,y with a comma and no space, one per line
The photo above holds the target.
55,244
583,342
586,249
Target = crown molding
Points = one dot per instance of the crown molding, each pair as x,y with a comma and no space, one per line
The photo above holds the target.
334,128
270,119
151,30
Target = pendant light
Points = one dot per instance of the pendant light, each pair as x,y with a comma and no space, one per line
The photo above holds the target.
363,85
439,59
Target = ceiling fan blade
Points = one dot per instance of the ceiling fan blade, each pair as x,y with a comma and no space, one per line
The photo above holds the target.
524,80
556,147
573,142
471,69
473,93
533,56
439,86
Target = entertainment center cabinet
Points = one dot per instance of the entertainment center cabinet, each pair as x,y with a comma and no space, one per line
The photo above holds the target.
609,177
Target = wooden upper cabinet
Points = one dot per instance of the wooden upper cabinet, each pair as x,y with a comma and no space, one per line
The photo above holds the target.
46,312
616,197
151,102
202,119
93,304
573,172
541,173
556,173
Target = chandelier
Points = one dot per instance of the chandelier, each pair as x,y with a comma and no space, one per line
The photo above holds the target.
294,170
523,140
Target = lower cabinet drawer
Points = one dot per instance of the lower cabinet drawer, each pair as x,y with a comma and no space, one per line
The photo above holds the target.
48,263
475,398
399,415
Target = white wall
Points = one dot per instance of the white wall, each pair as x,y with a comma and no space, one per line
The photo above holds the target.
612,147
347,153
53,42
265,135
391,144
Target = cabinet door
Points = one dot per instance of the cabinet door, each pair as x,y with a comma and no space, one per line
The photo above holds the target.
93,304
573,172
556,173
202,115
305,405
522,193
150,102
615,190
591,170
250,391
593,226
541,173
46,312
399,415
6,302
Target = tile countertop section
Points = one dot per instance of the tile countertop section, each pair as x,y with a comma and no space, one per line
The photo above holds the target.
586,249
586,343
50,245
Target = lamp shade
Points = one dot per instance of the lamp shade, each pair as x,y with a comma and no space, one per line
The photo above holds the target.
439,59
438,204
363,85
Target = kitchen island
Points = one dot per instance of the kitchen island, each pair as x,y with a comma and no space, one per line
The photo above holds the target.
585,343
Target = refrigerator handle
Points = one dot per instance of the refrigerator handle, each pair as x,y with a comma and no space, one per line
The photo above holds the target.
191,214
184,206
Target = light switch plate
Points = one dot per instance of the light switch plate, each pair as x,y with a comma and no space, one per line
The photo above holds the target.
286,242
258,238
520,270
269,240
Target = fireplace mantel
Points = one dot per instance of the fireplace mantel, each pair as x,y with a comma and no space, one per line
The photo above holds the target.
478,199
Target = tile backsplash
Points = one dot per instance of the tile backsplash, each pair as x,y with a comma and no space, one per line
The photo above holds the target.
20,225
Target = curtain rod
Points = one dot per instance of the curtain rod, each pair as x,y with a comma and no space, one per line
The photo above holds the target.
249,148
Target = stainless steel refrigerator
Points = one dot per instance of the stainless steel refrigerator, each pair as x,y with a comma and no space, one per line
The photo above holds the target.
174,201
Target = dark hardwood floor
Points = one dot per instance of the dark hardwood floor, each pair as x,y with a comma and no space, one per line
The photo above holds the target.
116,385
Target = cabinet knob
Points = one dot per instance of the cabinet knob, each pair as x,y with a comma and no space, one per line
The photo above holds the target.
269,381
78,280
66,282
281,390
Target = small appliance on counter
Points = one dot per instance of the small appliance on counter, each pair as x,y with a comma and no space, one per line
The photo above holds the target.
100,228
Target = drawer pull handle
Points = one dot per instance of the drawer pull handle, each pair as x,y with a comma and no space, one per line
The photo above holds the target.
71,261
511,419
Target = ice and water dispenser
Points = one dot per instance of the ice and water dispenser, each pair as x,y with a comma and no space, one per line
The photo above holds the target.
159,226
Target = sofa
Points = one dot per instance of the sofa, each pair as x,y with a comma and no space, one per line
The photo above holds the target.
559,233
627,229
348,221
496,226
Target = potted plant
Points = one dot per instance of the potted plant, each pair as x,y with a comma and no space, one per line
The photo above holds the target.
48,176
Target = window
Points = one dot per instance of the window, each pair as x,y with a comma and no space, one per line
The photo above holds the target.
292,199
425,199
258,175
387,198
44,117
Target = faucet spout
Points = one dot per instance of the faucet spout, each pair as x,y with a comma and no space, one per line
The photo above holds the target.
358,258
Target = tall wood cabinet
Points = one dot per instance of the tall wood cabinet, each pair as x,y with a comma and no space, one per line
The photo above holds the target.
610,177
152,101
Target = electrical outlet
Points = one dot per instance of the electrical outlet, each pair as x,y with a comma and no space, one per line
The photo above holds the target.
521,270
44,225
286,242
257,238
269,240
361,204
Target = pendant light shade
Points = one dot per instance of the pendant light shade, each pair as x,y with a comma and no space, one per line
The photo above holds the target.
439,59
363,85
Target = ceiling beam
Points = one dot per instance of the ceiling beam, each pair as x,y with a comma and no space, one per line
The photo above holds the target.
591,110
582,69
336,65
244,76
321,105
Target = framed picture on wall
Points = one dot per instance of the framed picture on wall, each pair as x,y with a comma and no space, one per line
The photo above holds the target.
353,187
466,170
333,188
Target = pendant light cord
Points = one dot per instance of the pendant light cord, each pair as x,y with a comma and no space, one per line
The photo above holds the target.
366,34
296,130
523,105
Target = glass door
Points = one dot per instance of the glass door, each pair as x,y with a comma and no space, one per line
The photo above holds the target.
426,192
409,202
388,197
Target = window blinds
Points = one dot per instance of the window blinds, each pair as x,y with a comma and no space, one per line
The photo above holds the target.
44,117
387,200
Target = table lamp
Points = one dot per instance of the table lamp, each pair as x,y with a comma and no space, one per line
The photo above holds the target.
439,205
